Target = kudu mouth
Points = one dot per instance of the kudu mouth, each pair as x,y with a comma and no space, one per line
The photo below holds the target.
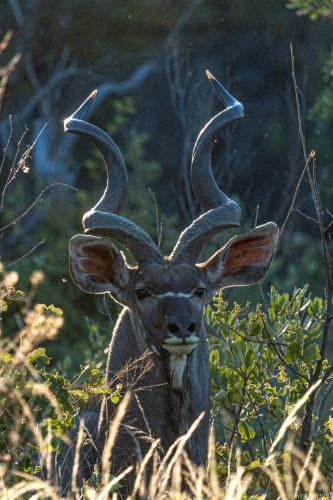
177,345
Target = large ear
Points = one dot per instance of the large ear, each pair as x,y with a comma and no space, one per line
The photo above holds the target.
97,266
244,260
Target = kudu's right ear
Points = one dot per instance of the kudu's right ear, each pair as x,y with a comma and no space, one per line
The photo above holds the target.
97,266
244,260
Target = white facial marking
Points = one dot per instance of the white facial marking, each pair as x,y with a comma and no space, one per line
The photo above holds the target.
192,339
179,349
173,294
177,366
173,340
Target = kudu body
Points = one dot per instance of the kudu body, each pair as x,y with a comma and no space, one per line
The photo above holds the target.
163,297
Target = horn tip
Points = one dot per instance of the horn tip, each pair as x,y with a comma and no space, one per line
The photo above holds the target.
209,75
80,113
93,94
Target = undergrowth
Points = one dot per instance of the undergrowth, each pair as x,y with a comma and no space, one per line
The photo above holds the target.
261,360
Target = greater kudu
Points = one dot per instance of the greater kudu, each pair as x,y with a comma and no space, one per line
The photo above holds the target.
163,297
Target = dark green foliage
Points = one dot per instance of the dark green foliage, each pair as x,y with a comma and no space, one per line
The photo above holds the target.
36,398
312,8
261,362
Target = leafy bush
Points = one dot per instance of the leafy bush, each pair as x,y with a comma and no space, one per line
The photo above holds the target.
262,361
36,399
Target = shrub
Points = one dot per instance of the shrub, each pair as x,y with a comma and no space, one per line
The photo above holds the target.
261,362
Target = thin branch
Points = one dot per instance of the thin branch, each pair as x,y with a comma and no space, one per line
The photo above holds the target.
246,337
20,165
329,274
280,356
5,73
41,194
57,79
26,255
298,107
256,216
291,207
315,376
5,41
308,217
5,149
159,225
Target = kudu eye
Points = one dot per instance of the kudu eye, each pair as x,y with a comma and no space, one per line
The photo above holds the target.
200,292
142,293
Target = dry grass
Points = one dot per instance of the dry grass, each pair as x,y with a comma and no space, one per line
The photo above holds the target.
289,474
166,482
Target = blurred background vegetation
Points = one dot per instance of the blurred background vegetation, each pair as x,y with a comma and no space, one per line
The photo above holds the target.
148,59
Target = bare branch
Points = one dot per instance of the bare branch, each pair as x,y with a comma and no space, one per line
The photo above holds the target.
26,254
315,376
20,165
28,210
5,73
291,208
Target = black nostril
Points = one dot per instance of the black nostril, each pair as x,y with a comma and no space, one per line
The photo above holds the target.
192,328
173,328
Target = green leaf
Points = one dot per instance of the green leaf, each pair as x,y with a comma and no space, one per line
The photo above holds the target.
214,357
254,465
6,357
249,357
17,295
311,353
3,306
55,309
315,332
246,431
79,394
115,398
37,353
293,353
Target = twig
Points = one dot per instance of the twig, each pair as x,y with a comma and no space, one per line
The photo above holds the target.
21,165
308,217
296,90
14,169
5,73
291,208
246,337
17,219
256,216
54,82
5,41
25,255
315,376
159,225
5,149
280,356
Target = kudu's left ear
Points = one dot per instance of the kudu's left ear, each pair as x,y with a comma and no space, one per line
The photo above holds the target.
97,266
244,260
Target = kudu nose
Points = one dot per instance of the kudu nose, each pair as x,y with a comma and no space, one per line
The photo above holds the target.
181,328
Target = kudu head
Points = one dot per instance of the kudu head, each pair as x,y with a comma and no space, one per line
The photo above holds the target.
166,295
